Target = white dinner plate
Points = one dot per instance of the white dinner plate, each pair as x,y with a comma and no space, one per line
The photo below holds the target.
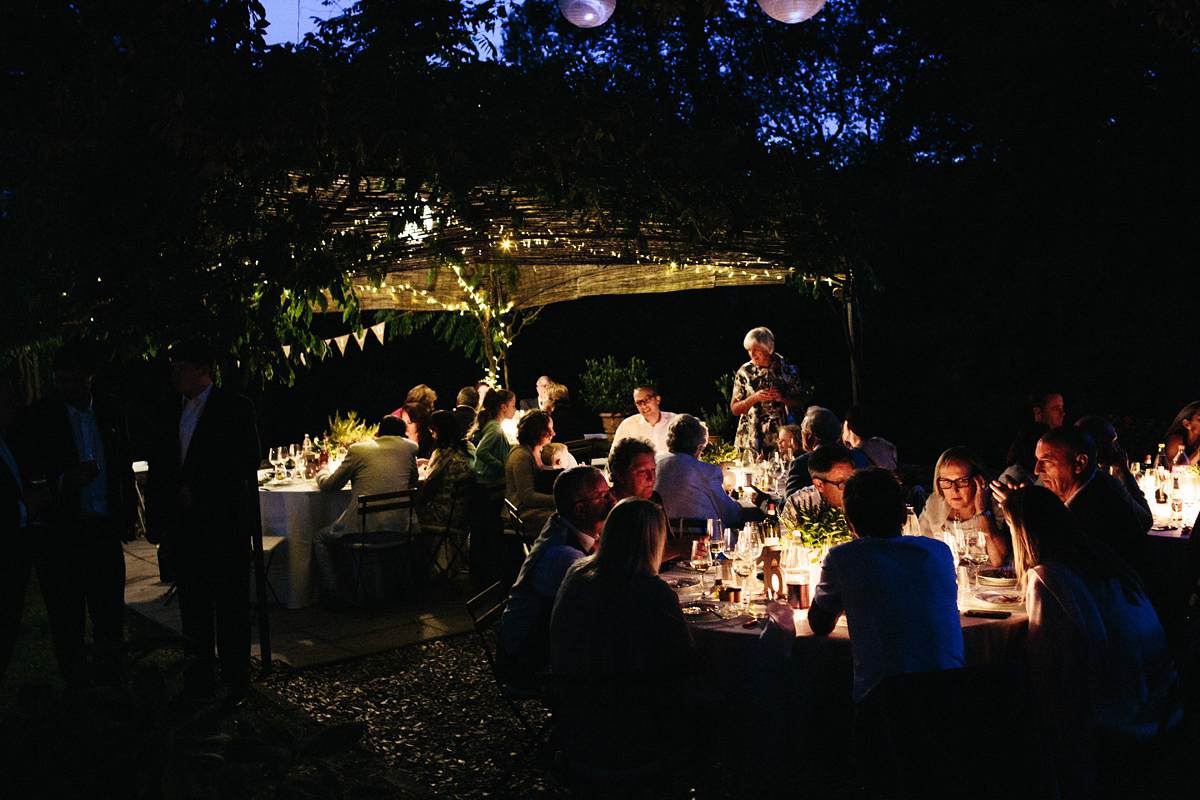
1006,599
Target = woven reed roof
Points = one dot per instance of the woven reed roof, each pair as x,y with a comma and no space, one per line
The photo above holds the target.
547,256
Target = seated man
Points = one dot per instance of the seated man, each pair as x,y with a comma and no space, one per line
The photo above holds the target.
650,423
386,463
632,468
898,592
819,427
543,383
1066,464
1112,458
689,487
581,501
467,403
831,465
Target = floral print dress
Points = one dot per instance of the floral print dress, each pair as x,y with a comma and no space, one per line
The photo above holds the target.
758,428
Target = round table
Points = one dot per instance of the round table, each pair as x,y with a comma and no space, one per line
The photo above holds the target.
297,511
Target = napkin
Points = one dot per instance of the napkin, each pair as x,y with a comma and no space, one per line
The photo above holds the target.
780,628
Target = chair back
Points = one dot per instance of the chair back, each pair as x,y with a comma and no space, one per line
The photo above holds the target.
963,712
486,608
383,502
687,528
514,517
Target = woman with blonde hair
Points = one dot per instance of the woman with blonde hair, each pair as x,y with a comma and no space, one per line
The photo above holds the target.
620,643
961,500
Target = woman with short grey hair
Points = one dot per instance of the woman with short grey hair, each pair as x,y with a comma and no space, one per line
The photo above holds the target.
764,390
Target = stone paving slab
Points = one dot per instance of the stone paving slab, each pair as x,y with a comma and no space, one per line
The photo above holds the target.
310,637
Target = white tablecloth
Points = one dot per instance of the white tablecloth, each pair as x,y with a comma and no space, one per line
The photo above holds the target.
793,695
297,511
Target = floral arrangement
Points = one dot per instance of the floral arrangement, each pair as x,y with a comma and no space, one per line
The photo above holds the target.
719,453
345,431
821,526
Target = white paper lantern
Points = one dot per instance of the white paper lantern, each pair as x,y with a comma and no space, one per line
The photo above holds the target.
790,11
587,13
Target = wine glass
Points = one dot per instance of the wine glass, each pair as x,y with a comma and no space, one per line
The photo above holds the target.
701,561
977,554
292,452
274,460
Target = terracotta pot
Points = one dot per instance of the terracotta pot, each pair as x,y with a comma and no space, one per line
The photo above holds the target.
610,422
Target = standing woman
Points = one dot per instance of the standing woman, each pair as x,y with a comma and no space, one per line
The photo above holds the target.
1185,432
764,390
1097,653
534,431
491,446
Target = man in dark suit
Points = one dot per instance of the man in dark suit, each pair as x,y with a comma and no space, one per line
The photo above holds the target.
19,505
202,500
534,403
1066,463
80,445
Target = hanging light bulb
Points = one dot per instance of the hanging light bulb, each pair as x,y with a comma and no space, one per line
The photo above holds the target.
587,13
790,11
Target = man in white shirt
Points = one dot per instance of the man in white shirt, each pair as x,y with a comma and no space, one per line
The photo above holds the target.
202,502
651,424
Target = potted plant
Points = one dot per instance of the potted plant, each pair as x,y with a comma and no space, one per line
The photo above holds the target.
607,388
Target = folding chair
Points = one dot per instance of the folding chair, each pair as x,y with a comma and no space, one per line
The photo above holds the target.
513,521
485,610
453,537
381,541
270,546
687,528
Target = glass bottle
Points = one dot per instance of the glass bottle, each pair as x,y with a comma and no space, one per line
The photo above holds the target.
1162,472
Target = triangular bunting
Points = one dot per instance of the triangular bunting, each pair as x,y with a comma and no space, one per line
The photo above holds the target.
378,330
287,351
342,341
361,338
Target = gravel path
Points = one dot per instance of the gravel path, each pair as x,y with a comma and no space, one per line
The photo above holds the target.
434,715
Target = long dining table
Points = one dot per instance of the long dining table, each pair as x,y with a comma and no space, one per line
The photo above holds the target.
792,687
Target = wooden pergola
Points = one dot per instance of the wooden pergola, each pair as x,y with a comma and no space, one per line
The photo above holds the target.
545,255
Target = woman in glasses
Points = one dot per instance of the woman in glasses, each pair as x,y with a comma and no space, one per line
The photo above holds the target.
960,501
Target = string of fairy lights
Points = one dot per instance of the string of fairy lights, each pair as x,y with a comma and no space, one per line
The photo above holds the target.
498,244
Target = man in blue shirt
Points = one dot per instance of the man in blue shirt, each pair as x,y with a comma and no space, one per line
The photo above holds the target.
80,445
898,592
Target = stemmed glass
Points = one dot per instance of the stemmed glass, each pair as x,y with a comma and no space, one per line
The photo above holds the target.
977,554
749,548
293,451
273,456
701,561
